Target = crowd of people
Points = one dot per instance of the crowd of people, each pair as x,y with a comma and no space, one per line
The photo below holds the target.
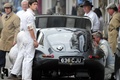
14,26
109,45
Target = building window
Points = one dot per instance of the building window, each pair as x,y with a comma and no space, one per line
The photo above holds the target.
59,6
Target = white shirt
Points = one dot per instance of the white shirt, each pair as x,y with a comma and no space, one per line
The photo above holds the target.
95,20
28,20
109,56
20,13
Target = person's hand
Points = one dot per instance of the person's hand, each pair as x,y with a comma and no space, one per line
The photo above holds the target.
95,43
14,43
35,44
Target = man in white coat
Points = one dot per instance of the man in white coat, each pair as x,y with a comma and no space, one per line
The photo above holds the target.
14,50
26,41
87,7
24,5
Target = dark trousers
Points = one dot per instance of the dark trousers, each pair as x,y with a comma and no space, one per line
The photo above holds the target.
117,62
2,58
95,69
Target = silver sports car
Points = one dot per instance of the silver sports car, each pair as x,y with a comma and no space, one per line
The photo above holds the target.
65,44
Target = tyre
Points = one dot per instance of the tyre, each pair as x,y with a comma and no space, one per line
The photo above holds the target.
37,75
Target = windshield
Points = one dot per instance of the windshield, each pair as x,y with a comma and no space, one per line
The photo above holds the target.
60,42
48,21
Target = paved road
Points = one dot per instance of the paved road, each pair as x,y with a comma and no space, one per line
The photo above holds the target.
8,64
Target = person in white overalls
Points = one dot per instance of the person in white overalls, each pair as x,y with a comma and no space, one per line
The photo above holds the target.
26,43
14,50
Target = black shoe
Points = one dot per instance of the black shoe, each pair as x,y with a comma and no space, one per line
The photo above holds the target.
5,71
12,76
112,76
19,77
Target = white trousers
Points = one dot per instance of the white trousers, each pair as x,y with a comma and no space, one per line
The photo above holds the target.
25,56
13,54
108,71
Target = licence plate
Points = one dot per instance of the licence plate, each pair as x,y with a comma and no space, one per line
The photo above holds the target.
72,60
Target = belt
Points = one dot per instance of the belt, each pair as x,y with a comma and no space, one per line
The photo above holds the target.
117,29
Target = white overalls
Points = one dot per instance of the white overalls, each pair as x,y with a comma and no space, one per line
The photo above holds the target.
26,48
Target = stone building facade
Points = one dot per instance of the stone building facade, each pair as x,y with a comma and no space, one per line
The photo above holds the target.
65,6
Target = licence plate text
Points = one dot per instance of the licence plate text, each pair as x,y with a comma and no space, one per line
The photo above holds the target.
70,60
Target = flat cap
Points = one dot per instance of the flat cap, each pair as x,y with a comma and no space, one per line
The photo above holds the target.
7,5
111,6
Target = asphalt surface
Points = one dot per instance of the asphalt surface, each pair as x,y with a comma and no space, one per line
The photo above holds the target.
8,64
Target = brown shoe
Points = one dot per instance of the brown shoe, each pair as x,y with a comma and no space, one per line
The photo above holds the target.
12,76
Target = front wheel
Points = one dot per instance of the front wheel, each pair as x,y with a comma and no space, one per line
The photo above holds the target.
37,75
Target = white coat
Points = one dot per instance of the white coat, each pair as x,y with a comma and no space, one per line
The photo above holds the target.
26,48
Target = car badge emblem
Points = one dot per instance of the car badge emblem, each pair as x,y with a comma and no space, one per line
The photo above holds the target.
60,48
